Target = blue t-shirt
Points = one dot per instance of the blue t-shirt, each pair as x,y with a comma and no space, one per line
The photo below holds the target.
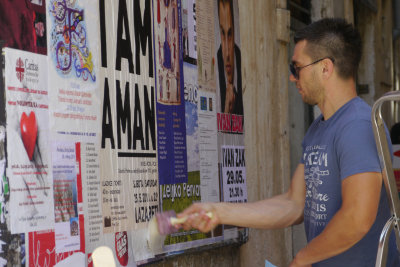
333,150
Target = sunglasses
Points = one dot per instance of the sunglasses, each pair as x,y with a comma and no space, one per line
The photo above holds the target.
296,70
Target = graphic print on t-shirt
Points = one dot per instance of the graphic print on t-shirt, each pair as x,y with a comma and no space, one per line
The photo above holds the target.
316,170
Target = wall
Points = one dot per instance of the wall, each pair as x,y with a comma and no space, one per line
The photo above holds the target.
376,68
267,142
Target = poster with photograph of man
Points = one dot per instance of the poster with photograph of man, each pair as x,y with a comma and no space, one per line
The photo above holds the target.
227,43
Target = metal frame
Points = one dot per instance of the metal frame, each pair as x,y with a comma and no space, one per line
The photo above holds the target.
385,157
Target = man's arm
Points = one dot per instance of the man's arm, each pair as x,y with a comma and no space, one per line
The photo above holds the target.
360,201
277,212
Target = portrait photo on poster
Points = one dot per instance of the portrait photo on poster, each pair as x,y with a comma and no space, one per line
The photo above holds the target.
228,57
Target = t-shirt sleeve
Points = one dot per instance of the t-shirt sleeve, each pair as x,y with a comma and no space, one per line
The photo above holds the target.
302,153
356,149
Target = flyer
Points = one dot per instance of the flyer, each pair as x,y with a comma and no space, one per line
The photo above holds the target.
229,98
189,32
205,41
179,196
228,61
208,146
170,99
128,184
73,69
29,168
207,108
65,180
91,188
234,174
12,246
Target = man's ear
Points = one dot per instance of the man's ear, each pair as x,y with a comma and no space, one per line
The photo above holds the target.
327,68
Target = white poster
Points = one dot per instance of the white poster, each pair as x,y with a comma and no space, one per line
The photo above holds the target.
189,35
73,69
234,174
208,147
29,168
65,174
129,182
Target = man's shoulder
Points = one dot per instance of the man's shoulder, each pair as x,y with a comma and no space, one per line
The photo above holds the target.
355,110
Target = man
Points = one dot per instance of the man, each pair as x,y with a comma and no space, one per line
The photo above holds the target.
337,188
230,78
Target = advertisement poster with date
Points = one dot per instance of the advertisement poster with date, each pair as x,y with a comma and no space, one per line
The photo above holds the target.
28,169
230,123
234,174
65,180
64,244
73,69
121,243
170,99
128,182
91,187
229,105
179,196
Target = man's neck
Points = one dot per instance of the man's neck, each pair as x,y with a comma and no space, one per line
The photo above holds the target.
336,95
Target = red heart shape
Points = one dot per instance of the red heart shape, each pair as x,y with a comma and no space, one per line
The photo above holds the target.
29,132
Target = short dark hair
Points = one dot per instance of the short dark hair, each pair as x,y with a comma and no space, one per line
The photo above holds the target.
336,39
230,2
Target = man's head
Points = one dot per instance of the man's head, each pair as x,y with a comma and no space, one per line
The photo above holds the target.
227,32
335,39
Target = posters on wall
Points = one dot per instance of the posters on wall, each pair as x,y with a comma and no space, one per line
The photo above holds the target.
127,119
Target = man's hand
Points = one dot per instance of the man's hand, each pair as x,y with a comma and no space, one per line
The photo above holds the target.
230,98
197,217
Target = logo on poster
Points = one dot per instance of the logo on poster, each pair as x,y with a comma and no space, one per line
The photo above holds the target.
121,247
19,69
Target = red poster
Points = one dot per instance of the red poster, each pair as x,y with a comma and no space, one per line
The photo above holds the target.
42,249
